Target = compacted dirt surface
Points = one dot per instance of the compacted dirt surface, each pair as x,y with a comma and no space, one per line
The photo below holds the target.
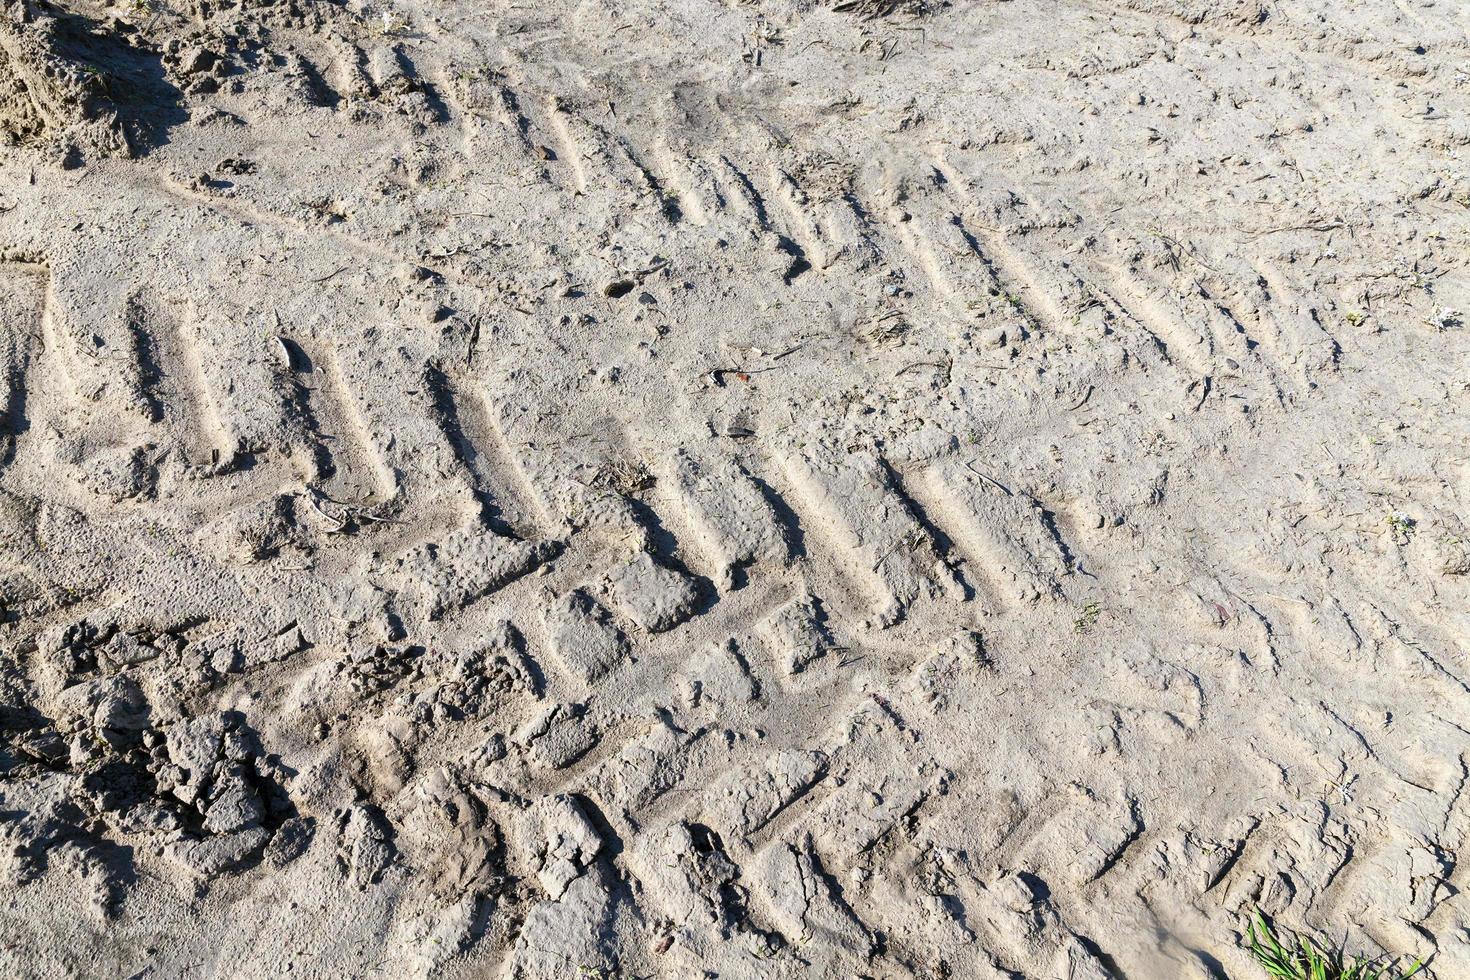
745,490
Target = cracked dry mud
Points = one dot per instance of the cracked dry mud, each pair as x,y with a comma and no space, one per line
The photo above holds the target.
744,490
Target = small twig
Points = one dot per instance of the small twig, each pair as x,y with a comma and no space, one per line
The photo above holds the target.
643,273
937,365
341,525
1320,226
469,358
990,480
717,375
331,275
1204,392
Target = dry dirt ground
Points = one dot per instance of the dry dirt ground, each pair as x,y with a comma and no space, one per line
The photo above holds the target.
746,490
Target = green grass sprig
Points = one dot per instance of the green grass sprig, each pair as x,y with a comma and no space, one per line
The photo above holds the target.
1294,956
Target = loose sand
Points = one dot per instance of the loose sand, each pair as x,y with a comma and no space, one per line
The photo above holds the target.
745,490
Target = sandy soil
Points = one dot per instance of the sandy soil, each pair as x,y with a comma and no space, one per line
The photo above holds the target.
746,490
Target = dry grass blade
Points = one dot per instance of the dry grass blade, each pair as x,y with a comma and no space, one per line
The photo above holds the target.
876,9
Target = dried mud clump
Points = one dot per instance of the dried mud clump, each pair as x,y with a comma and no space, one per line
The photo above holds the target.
78,88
